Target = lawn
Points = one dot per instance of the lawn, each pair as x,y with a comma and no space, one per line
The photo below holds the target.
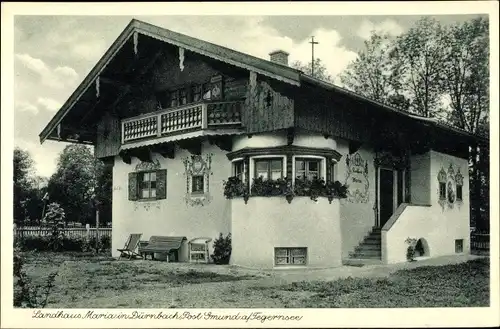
103,282
462,285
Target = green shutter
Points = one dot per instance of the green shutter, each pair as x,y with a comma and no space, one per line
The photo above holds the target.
132,186
161,184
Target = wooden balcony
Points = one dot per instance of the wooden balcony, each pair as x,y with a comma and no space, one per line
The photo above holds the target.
192,117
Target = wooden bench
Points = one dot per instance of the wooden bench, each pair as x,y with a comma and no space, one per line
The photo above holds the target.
160,245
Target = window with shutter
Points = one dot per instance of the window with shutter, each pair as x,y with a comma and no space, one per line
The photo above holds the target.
147,185
161,184
132,186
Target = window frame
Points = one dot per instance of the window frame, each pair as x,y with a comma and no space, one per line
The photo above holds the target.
322,165
197,192
140,189
442,187
290,257
174,96
206,88
459,197
307,161
269,159
196,89
459,246
235,164
185,95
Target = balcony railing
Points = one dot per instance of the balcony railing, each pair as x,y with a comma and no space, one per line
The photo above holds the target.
191,117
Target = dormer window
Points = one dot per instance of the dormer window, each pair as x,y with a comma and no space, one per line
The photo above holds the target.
191,94
174,98
183,99
207,92
196,92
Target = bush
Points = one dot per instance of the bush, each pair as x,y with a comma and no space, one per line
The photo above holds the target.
234,187
40,243
27,294
29,243
222,249
54,217
94,246
410,251
72,244
269,187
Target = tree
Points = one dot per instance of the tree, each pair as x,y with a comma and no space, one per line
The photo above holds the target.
104,190
320,70
466,83
466,73
73,183
372,73
419,54
23,183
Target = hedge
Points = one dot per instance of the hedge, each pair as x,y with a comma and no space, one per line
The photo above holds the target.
41,243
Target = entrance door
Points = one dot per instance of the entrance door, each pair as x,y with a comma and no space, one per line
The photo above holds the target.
386,195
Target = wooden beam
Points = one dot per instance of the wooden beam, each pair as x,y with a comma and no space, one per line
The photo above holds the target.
141,72
225,143
192,146
143,154
108,161
113,82
122,94
125,157
290,135
89,112
354,146
145,69
165,150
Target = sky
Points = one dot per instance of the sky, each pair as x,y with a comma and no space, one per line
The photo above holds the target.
52,54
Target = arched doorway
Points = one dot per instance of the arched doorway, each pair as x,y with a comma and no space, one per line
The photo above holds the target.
422,248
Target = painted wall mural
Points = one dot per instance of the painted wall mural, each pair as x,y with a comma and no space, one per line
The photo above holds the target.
198,172
450,187
357,179
146,166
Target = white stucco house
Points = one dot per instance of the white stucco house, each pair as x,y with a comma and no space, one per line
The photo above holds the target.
176,117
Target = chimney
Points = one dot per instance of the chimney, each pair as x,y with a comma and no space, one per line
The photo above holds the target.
279,56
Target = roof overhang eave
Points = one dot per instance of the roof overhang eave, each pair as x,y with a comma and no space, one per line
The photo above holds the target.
422,119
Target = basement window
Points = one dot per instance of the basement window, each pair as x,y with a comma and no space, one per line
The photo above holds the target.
290,256
459,246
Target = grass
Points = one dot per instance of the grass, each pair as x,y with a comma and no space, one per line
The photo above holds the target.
102,282
85,279
462,285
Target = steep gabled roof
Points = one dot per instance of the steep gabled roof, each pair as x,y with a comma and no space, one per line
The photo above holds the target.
258,65
263,67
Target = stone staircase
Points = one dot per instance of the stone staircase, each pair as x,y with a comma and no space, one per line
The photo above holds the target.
370,248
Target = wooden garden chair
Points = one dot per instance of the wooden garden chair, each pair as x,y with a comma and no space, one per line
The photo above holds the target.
131,246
